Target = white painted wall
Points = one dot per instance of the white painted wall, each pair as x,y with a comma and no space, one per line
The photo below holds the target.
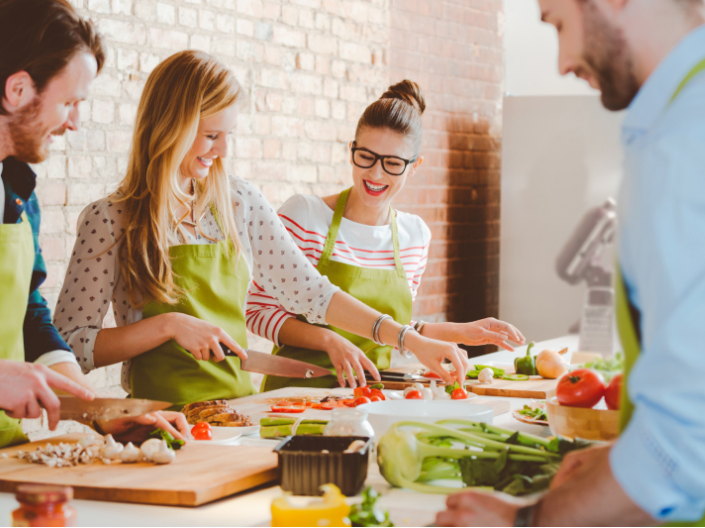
560,156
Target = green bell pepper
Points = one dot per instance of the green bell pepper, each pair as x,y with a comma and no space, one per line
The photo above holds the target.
527,364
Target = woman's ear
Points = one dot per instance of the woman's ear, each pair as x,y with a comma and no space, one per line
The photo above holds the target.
415,166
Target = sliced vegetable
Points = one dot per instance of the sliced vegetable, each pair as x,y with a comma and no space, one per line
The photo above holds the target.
536,413
580,388
526,365
366,513
288,408
362,400
171,442
413,395
515,377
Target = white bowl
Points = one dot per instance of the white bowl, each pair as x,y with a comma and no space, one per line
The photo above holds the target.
382,415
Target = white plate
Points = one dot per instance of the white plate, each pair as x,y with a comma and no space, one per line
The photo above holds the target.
227,435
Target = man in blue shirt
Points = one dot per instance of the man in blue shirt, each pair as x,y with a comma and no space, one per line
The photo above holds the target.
647,56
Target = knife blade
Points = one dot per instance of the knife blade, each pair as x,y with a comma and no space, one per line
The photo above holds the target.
277,366
73,408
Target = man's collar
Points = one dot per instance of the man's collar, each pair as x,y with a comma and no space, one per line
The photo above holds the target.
19,177
656,92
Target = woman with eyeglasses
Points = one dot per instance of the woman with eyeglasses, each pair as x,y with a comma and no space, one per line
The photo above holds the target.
367,248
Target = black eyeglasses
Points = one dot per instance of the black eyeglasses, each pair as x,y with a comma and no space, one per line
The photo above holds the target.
392,165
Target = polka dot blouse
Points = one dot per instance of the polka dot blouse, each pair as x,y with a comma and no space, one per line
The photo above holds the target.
93,280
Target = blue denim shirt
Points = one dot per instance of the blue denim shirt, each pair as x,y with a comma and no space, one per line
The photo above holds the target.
40,335
660,458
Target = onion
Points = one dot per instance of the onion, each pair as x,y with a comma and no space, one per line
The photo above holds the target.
551,364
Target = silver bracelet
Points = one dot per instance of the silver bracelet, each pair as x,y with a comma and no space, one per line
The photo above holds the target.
419,325
376,327
400,341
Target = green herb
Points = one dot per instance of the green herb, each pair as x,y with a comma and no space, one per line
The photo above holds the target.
366,514
496,372
479,455
451,388
171,442
537,414
609,368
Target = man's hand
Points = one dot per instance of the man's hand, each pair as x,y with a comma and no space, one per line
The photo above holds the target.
136,430
576,463
475,508
25,388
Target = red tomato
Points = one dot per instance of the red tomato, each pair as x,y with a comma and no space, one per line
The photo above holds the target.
202,433
459,394
414,395
375,398
361,401
613,392
580,388
326,406
201,425
348,403
378,393
288,408
365,391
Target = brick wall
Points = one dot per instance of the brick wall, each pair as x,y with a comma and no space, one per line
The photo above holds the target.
310,67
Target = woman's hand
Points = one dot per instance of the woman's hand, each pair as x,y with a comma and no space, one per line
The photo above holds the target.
137,429
201,338
432,353
489,331
347,358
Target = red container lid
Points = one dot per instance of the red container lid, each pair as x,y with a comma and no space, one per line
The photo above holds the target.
42,494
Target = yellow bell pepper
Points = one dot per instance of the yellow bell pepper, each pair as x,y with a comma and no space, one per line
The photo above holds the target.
332,510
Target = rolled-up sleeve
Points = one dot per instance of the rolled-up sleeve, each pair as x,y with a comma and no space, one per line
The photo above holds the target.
660,458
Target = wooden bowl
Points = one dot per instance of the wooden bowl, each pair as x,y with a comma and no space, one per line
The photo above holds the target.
575,422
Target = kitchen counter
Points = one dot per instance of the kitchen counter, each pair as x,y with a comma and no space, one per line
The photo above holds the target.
252,508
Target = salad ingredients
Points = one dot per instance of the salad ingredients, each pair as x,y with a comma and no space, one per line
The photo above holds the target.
366,513
288,408
332,510
526,365
486,375
608,368
459,394
581,388
413,395
515,377
551,364
111,450
439,393
130,454
362,400
481,455
163,455
613,392
536,411
272,427
172,442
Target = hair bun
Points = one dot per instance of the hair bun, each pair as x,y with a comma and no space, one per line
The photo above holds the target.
407,91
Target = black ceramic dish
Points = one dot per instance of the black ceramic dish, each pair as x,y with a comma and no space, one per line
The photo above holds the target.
304,464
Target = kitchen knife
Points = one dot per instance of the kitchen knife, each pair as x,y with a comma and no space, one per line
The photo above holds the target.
400,377
277,366
73,408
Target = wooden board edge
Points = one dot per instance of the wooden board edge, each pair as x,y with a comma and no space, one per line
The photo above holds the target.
226,490
487,391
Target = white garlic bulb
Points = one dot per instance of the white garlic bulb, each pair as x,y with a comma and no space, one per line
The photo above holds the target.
165,455
150,447
112,449
130,454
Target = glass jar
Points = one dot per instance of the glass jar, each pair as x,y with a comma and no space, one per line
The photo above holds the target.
42,505
349,422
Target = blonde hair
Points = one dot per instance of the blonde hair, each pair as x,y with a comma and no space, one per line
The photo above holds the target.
398,109
182,90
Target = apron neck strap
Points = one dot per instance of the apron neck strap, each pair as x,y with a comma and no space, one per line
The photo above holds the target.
335,227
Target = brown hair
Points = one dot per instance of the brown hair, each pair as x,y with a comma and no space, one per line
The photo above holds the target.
398,109
41,37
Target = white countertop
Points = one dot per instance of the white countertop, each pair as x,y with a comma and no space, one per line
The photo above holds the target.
252,508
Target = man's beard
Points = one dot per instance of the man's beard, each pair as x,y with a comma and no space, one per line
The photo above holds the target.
27,133
609,58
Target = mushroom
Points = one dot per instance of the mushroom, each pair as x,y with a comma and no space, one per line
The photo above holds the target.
150,447
164,455
486,375
88,441
355,447
112,449
427,394
130,454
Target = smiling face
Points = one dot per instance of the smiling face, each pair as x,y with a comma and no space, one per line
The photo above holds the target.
593,48
374,187
37,118
211,143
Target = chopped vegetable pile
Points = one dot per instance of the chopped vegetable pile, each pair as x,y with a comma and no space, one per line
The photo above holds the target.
366,513
477,454
537,412
609,368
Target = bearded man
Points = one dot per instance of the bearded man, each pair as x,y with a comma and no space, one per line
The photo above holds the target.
647,56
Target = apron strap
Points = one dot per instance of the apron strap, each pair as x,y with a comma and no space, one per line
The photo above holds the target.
335,227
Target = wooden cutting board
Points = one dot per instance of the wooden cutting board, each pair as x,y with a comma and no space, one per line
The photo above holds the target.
536,387
200,474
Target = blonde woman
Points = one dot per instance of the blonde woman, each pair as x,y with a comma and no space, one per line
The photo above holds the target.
364,246
176,247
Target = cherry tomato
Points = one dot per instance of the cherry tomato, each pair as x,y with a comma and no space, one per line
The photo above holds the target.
580,388
375,398
202,434
361,401
377,393
459,394
348,403
414,395
201,425
362,391
288,408
613,392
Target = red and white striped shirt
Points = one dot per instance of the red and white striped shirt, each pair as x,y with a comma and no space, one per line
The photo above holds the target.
308,219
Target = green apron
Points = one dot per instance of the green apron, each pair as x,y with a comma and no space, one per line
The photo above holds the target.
628,317
215,290
16,265
387,291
